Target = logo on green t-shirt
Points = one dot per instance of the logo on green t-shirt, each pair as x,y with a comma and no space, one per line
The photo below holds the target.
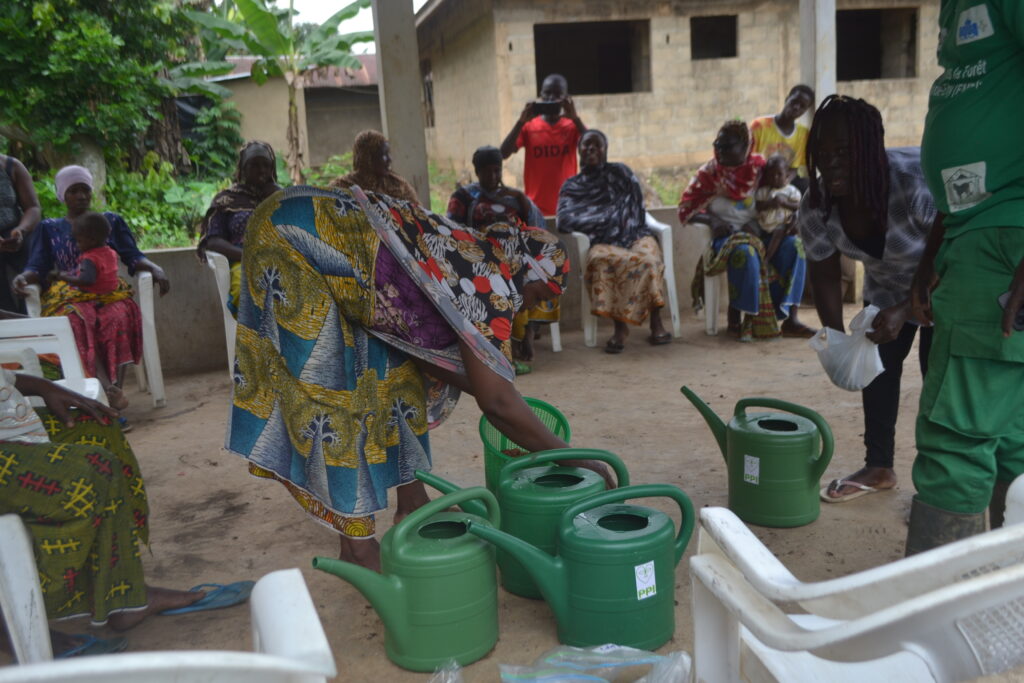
973,25
965,186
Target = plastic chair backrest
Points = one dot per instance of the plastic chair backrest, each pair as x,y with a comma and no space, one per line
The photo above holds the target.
285,622
221,268
21,599
931,625
46,335
288,636
856,595
208,666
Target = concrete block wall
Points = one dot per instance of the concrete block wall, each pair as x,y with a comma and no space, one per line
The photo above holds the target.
673,124
463,62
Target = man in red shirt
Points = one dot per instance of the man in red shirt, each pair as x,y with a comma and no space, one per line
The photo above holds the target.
550,134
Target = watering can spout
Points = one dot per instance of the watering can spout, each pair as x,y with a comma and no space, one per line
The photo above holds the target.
714,422
382,591
546,571
473,507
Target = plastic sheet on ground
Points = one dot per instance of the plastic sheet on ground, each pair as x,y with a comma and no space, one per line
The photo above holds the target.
609,663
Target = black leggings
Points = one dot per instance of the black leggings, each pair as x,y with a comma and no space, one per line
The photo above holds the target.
882,397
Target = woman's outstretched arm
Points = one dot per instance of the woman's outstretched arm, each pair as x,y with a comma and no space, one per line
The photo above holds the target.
505,408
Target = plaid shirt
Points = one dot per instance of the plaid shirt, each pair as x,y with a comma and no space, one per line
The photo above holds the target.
911,213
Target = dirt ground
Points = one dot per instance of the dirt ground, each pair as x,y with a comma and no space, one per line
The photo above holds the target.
212,522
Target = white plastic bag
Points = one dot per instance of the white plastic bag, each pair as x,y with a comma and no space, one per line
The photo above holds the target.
851,360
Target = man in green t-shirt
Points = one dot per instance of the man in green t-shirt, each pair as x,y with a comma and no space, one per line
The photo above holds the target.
970,426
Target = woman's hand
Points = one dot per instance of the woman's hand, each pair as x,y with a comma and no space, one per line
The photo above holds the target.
887,324
20,284
60,400
594,466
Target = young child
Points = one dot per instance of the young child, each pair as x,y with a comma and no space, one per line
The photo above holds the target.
97,269
777,201
97,277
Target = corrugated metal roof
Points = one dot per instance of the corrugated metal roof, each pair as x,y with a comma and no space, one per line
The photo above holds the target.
323,77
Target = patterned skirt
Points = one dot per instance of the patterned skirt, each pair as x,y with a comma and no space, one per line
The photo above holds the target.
107,327
625,284
84,503
320,404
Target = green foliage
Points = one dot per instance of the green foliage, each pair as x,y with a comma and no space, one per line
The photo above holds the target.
337,165
282,50
160,210
86,68
216,139
442,183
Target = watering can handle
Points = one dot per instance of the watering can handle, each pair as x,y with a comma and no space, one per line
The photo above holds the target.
438,504
640,491
621,475
827,442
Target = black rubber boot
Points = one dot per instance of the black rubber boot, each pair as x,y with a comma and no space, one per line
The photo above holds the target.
931,527
997,506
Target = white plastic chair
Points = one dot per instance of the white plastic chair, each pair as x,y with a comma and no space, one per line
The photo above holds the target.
150,374
21,599
288,640
221,268
952,613
711,282
22,339
663,233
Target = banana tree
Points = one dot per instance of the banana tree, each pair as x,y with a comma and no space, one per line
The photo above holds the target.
280,52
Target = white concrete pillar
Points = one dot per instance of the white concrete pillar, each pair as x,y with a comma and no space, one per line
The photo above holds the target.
818,46
398,82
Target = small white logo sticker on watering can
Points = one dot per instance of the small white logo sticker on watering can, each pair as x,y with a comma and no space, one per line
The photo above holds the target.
645,585
751,469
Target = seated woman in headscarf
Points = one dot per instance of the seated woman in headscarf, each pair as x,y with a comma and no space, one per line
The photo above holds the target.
489,201
371,169
223,226
107,326
766,290
624,272
360,319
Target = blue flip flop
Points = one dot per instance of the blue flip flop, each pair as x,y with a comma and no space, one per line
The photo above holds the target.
219,596
91,645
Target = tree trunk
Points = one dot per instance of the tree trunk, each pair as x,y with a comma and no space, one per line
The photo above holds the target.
294,156
165,132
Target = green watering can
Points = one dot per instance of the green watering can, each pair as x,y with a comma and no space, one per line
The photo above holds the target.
437,592
532,494
775,461
613,580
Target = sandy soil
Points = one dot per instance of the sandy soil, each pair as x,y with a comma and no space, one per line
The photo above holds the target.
212,522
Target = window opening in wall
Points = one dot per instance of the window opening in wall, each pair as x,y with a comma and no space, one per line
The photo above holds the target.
596,57
427,76
713,37
876,43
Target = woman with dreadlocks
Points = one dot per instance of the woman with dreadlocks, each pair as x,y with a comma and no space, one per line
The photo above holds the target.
765,290
872,205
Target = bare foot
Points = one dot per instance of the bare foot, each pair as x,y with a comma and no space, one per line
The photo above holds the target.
881,478
795,328
364,552
118,401
158,599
